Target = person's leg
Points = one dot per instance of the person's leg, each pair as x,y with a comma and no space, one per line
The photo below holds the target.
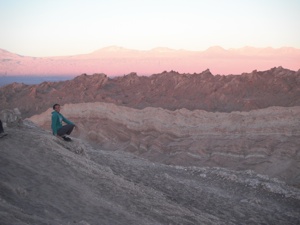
1,127
66,129
2,134
70,128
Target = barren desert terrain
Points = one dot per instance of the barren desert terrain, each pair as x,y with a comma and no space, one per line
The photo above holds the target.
168,148
47,181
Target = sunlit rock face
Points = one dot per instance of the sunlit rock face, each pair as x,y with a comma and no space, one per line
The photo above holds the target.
266,140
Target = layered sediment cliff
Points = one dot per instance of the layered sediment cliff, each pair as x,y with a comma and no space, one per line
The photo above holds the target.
266,140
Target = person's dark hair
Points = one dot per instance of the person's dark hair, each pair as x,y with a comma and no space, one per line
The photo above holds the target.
54,105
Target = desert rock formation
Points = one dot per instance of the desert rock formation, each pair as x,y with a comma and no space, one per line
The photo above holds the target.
168,90
165,149
47,181
266,140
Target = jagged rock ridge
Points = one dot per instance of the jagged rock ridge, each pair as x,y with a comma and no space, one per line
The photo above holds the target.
44,181
168,90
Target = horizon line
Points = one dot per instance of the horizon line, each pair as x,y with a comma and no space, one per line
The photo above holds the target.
159,48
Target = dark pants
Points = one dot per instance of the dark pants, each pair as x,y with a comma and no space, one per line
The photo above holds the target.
66,129
1,127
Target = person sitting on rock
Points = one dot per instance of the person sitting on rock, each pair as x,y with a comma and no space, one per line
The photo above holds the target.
58,129
2,133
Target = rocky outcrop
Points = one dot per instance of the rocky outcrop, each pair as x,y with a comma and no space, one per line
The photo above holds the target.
266,141
168,90
45,181
11,118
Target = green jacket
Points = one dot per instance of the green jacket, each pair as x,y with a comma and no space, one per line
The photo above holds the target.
56,121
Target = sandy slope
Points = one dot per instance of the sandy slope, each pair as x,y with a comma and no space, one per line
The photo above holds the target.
46,181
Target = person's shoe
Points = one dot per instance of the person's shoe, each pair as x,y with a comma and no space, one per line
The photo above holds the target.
67,138
3,134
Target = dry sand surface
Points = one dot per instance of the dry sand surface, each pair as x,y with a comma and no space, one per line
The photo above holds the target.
47,181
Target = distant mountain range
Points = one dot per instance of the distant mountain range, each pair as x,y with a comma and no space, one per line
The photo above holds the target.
115,61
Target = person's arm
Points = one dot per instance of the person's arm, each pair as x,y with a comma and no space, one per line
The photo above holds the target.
67,121
54,124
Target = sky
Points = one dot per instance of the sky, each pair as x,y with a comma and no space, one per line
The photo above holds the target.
70,27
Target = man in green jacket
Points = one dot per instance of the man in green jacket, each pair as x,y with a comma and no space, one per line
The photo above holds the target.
58,129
